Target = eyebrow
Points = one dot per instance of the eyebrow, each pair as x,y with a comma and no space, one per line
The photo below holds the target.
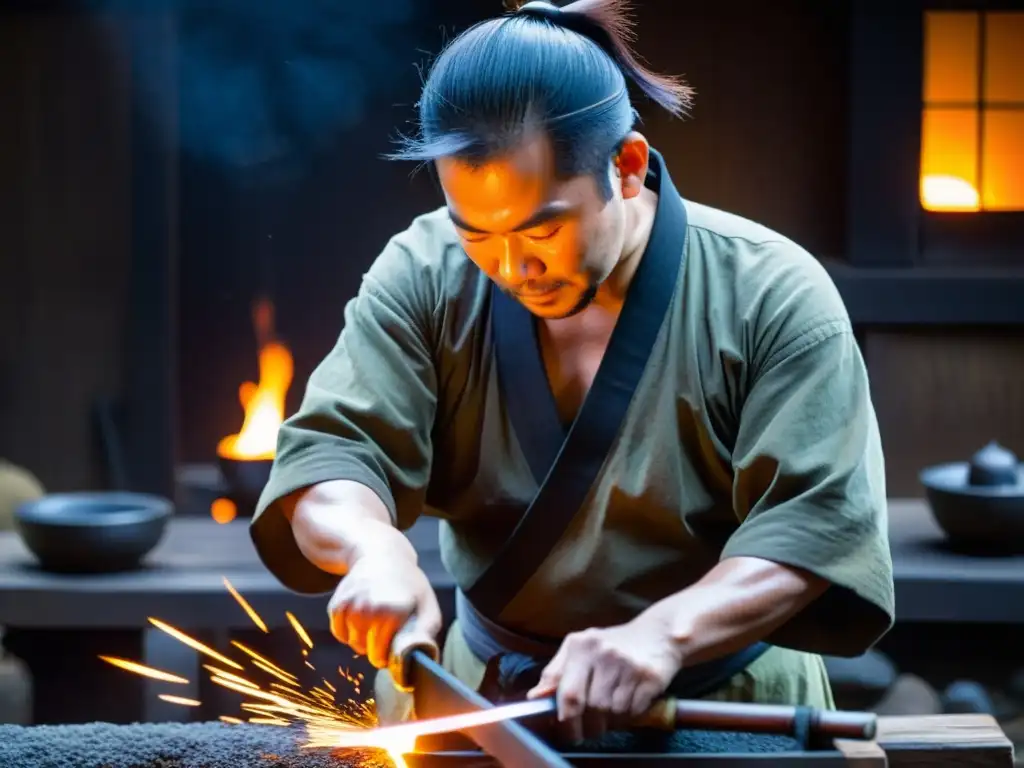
542,215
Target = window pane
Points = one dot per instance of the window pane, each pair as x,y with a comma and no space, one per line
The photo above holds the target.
1004,57
950,56
949,154
1003,170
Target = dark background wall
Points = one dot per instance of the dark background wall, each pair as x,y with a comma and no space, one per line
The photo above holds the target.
766,139
298,210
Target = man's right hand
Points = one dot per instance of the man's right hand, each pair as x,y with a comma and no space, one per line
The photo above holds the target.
342,527
378,597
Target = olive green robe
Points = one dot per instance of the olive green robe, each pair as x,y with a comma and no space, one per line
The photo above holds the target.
752,433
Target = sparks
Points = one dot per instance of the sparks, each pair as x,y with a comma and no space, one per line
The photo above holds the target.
245,606
269,721
179,700
177,634
284,677
215,672
255,656
299,630
279,699
142,669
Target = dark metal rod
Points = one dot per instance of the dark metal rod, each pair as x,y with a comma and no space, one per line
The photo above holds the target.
825,759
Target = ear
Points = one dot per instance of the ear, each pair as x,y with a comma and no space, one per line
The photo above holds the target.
631,164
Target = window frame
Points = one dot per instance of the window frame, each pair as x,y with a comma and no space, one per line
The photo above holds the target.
886,224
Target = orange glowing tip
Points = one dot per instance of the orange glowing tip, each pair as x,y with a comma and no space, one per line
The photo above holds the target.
245,606
407,733
299,630
230,720
194,644
179,700
142,669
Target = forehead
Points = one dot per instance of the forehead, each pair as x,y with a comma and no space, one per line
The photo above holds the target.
525,173
506,190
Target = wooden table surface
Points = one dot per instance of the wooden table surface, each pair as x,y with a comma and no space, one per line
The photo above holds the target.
183,581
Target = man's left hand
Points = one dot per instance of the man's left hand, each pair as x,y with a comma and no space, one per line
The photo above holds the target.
603,677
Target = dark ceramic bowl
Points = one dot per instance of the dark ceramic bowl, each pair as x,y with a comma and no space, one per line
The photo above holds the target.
984,517
93,532
244,480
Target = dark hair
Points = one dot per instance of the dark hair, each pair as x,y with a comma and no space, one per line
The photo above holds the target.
561,70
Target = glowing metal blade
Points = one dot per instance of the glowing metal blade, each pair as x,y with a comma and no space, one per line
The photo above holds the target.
406,732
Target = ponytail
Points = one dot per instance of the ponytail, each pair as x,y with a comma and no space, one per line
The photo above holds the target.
609,25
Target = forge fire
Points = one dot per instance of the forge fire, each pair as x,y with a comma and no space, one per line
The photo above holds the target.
263,406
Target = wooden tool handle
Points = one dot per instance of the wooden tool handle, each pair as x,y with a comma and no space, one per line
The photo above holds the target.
671,714
409,639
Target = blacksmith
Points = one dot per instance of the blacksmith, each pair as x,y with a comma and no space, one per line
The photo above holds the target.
644,423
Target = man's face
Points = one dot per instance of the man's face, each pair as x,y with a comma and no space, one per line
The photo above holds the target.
548,243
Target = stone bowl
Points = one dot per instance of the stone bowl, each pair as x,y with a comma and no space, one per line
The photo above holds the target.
97,532
244,480
979,504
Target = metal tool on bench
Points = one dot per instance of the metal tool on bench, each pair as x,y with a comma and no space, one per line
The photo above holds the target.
444,701
438,694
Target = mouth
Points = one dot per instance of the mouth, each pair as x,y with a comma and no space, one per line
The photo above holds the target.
535,295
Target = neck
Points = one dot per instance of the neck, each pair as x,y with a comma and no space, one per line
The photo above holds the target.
640,213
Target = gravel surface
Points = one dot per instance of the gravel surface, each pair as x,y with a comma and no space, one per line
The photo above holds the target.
218,745
169,745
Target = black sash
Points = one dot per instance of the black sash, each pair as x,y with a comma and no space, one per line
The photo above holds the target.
566,464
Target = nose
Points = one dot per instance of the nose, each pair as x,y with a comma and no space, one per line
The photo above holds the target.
515,267
511,267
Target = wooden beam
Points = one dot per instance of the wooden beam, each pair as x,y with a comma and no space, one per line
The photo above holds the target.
937,741
862,754
930,296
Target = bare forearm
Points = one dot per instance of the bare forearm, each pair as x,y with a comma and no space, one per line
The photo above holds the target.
739,602
338,522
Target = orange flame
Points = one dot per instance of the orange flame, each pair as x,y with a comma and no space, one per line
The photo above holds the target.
262,403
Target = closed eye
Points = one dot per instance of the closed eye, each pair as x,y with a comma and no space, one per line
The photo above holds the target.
471,238
547,236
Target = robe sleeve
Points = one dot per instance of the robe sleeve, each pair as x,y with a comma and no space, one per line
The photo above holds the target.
366,415
809,487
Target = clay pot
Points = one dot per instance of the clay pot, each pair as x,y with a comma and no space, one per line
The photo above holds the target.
979,503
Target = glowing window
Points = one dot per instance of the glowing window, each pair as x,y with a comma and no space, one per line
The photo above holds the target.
972,123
